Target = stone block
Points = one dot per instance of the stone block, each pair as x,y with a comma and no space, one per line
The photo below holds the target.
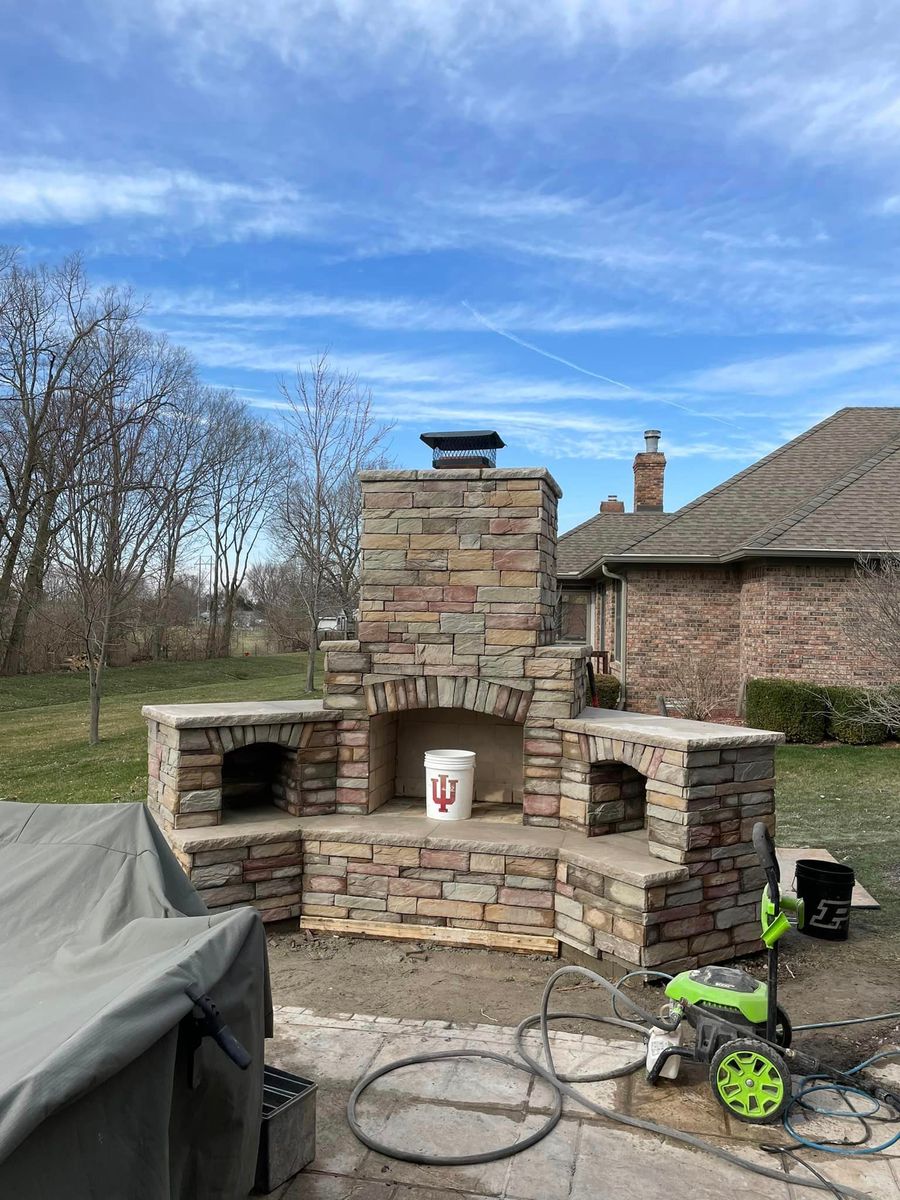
542,868
205,858
489,863
477,892
451,860
373,903
449,908
216,897
325,883
570,908
215,875
350,850
367,885
526,897
739,915
539,917
426,888
462,622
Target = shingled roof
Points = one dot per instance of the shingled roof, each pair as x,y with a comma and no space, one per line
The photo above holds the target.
834,490
601,536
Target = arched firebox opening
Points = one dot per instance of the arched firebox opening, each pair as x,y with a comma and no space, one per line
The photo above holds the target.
258,776
398,742
618,799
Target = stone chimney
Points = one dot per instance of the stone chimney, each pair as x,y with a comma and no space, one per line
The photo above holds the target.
649,473
612,504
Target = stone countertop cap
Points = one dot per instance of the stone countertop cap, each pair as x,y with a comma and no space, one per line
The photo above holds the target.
672,733
244,712
464,475
563,650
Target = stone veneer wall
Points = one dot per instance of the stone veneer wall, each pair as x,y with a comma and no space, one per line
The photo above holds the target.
674,919
700,804
553,686
239,871
687,894
185,767
457,605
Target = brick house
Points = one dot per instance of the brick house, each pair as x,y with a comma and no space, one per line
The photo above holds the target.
757,574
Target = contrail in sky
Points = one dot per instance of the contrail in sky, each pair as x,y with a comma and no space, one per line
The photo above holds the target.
512,337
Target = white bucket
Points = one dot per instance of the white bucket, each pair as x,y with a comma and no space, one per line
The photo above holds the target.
449,784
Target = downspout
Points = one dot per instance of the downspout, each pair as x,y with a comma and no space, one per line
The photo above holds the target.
620,703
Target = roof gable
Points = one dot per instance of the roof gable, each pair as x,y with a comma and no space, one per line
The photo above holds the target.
783,489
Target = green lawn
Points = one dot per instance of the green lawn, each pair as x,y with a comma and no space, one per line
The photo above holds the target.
847,799
44,752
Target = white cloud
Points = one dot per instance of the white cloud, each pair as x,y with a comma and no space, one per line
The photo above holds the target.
399,313
792,374
61,193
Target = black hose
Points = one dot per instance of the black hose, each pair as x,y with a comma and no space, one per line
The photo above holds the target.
563,1086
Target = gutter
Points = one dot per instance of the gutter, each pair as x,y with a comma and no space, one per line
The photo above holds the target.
743,554
620,703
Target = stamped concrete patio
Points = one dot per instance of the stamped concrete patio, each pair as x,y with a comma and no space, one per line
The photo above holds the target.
465,1106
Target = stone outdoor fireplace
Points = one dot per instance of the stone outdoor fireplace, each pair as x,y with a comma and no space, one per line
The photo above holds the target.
617,834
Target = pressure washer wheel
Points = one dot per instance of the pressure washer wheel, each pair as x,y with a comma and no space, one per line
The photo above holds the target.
750,1080
783,1029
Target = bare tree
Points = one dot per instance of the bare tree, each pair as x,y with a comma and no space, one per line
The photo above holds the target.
276,591
245,477
874,628
48,320
699,687
114,499
185,484
332,435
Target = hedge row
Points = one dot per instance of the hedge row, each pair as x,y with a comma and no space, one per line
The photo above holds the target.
810,712
606,689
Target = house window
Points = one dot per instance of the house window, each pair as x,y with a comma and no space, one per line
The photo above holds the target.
574,617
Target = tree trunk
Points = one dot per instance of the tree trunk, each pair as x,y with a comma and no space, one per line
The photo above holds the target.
212,634
94,677
227,624
32,592
15,537
311,660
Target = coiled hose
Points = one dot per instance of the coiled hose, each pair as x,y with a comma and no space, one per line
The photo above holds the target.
563,1085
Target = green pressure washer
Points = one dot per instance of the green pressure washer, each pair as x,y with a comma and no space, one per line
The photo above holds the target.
739,1027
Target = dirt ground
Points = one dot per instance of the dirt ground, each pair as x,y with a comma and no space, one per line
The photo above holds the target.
819,981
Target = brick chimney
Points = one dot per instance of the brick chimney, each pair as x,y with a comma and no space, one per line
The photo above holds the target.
649,472
612,504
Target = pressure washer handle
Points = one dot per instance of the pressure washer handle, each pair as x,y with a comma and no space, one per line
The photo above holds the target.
765,852
217,1029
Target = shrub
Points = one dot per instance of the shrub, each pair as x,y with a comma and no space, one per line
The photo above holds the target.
700,687
849,719
606,689
795,709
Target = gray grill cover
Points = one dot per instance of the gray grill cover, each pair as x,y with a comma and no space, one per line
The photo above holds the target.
100,933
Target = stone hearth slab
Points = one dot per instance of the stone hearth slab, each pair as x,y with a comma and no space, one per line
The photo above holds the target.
673,733
255,712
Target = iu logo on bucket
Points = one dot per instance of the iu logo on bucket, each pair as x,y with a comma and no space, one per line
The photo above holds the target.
439,794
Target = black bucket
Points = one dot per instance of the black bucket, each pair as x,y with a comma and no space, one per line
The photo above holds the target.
825,889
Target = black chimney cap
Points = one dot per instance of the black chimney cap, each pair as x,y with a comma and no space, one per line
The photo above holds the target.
464,439
463,448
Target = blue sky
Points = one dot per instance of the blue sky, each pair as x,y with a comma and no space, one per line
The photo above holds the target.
568,220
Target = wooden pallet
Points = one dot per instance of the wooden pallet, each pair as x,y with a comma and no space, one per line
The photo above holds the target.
444,935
